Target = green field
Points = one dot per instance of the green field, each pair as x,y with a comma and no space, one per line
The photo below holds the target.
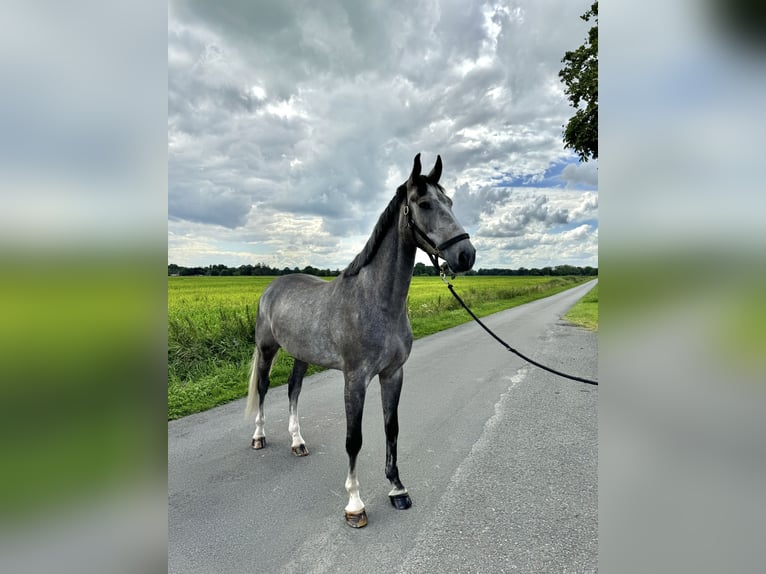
585,311
211,327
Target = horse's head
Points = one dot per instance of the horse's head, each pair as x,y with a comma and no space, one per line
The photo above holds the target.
429,214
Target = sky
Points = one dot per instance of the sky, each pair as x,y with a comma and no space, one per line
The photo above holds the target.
290,125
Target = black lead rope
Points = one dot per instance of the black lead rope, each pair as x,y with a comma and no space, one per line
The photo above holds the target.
442,271
506,345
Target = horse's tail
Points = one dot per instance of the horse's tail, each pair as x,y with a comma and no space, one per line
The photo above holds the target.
252,389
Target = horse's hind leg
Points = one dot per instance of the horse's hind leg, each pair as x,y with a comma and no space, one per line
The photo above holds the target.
390,390
298,445
260,379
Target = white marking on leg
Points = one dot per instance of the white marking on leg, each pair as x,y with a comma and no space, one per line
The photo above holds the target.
259,424
397,491
294,427
355,504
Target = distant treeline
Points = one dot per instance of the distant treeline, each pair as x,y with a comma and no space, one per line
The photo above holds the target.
420,269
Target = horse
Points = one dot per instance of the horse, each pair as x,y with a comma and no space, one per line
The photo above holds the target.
358,323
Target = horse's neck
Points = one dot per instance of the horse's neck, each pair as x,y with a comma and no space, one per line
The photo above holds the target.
390,271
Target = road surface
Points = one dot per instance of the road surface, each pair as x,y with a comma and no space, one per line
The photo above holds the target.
500,459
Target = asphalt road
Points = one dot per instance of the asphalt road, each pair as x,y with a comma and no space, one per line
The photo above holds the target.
500,459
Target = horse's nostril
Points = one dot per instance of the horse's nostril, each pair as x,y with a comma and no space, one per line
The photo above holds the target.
466,259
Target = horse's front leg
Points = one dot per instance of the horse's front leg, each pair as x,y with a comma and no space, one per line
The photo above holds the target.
259,381
355,389
390,390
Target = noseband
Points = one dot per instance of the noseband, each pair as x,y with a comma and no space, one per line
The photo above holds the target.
436,250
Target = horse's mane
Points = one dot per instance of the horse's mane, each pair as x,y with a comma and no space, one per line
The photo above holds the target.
386,219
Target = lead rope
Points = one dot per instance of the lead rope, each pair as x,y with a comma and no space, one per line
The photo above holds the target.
443,275
442,271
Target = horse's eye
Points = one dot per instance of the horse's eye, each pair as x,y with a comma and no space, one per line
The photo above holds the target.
424,205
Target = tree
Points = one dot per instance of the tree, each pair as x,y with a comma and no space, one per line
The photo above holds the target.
580,76
422,269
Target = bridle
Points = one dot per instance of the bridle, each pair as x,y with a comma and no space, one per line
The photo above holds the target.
434,251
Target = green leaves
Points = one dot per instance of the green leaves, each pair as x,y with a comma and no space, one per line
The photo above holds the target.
580,78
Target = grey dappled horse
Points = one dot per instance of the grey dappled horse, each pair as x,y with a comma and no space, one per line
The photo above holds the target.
358,322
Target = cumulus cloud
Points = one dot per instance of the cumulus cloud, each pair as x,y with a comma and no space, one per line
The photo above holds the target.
537,212
587,207
206,202
315,112
584,173
540,249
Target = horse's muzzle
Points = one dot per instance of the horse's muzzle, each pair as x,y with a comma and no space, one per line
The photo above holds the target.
461,256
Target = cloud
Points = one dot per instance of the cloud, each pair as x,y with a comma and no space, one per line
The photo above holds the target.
535,213
208,203
317,111
470,206
583,173
587,208
539,249
525,213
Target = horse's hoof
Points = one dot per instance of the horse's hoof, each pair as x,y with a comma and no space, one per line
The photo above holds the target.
356,520
300,450
259,443
400,501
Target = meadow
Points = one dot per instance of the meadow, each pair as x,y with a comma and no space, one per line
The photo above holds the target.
211,327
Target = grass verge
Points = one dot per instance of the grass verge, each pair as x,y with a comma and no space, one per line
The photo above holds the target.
585,312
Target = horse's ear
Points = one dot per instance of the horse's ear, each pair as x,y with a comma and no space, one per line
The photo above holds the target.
436,172
415,169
